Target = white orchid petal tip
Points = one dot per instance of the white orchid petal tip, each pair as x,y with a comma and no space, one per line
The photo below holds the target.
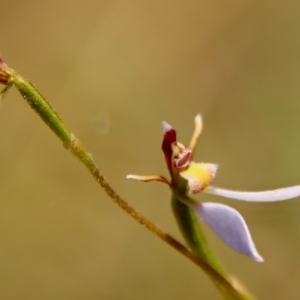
264,196
166,127
258,258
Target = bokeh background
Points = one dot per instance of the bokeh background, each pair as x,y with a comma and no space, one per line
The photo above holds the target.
114,70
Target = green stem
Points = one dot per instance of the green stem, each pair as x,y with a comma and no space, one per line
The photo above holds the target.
228,289
41,106
188,222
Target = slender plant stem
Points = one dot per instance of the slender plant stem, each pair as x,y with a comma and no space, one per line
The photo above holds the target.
190,227
227,286
188,223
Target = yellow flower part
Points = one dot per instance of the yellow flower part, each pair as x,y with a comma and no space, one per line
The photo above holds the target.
199,176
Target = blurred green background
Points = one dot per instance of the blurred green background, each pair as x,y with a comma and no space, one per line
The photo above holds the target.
114,70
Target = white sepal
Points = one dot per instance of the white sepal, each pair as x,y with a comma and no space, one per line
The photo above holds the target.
265,196
230,226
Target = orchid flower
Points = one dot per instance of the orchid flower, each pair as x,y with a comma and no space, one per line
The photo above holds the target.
189,177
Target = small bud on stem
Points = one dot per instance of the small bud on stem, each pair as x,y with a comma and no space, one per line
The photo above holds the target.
4,72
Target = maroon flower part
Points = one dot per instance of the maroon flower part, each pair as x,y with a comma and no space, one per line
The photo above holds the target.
168,140
4,72
177,155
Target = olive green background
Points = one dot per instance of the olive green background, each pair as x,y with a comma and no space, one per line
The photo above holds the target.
114,70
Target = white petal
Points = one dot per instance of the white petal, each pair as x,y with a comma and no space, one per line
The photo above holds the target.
265,196
166,127
230,226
